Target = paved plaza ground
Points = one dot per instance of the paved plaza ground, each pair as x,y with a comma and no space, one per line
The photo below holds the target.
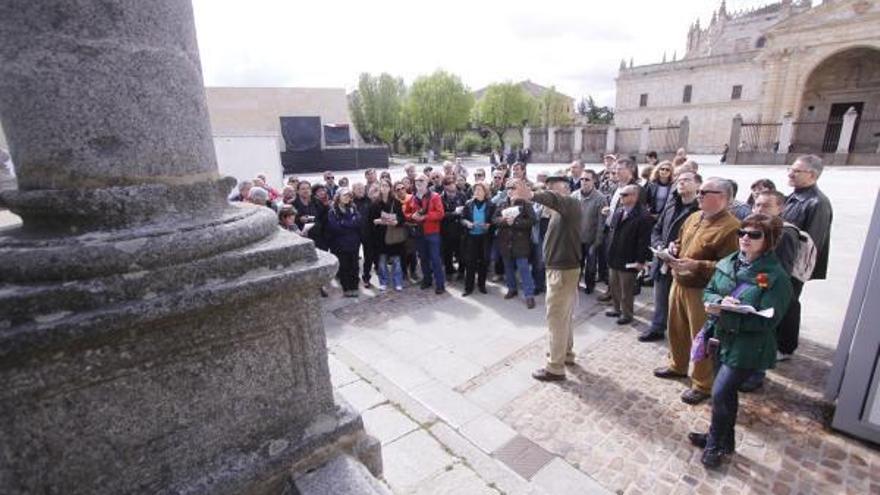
443,382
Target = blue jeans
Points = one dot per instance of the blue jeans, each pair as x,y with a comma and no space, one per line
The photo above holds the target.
428,247
521,265
662,284
725,401
396,270
539,269
589,264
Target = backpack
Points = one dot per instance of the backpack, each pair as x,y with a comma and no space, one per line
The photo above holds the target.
805,261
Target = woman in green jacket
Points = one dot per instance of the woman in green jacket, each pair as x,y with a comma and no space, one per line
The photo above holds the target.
745,342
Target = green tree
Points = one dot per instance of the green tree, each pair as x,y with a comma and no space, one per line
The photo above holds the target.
356,107
437,105
553,109
377,106
504,106
594,113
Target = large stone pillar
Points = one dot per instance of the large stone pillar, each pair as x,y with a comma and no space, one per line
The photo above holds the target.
153,337
735,138
527,137
578,143
610,139
644,137
785,134
551,140
846,131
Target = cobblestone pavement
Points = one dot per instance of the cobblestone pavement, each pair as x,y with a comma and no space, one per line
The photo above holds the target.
627,429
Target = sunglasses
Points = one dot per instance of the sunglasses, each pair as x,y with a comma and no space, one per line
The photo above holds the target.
704,192
398,189
623,195
753,234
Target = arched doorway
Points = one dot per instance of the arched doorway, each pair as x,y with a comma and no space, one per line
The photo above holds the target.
849,78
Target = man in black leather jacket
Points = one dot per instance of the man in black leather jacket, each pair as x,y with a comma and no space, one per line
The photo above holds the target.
810,210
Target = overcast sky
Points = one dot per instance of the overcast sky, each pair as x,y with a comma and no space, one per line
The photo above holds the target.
576,46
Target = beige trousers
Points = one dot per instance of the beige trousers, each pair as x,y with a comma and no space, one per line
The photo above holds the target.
561,294
686,317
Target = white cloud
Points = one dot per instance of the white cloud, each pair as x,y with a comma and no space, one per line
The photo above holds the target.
575,46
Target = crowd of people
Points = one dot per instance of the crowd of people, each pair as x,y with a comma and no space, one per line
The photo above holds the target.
726,275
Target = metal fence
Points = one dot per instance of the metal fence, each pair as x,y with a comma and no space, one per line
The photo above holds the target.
867,138
538,143
594,140
759,137
564,140
809,137
664,139
627,139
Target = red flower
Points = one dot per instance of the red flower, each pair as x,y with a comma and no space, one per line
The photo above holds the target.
762,280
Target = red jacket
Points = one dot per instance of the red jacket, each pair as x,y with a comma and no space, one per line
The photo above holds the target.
433,212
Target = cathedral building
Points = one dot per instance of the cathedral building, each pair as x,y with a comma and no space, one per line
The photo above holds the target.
809,63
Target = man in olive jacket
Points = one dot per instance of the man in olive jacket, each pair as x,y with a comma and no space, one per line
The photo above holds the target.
562,255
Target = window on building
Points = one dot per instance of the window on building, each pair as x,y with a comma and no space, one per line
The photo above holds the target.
643,100
761,42
686,96
737,92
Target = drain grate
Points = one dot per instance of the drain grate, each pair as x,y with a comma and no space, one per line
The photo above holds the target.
523,456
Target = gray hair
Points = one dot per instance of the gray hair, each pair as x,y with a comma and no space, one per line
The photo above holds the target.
723,184
259,194
245,184
812,162
631,188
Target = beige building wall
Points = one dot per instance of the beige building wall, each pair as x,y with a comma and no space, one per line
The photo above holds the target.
797,40
246,124
711,109
799,45
257,111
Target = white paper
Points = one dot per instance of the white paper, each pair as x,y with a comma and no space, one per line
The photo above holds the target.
307,227
663,254
742,309
510,212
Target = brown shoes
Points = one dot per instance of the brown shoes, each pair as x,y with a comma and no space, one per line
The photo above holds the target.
511,294
530,302
693,397
667,372
545,376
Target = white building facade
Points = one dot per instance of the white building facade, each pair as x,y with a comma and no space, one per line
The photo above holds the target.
784,59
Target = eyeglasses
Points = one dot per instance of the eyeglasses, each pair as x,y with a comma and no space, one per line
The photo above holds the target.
705,192
398,189
623,195
666,170
753,234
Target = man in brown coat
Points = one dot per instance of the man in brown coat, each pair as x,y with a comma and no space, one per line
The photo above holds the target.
706,236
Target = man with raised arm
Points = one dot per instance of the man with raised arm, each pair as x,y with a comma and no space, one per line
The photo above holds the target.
562,255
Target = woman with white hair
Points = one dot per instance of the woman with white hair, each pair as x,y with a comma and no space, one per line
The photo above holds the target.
344,237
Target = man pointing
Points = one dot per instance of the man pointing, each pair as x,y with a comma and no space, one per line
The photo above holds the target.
562,255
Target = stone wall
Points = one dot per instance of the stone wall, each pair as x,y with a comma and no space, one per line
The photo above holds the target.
711,108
